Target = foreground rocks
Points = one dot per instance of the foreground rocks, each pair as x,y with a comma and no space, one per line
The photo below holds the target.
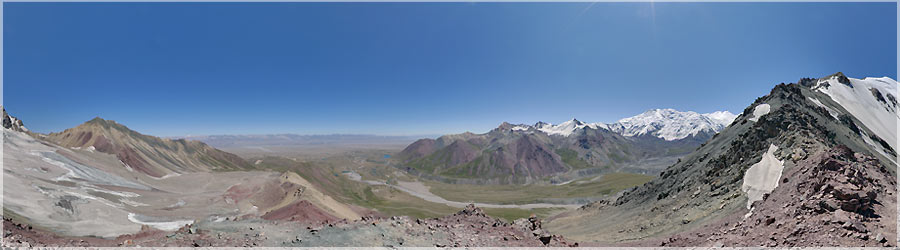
22,235
471,227
467,228
834,198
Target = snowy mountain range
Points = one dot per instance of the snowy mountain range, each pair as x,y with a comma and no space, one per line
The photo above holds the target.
668,124
521,153
648,142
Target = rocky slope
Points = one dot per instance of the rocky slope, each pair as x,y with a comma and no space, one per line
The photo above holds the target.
834,198
150,155
762,165
467,228
532,153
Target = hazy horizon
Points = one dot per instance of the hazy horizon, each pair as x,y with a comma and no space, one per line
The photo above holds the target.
408,69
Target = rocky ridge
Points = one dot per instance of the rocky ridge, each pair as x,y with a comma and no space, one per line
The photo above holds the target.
834,198
704,187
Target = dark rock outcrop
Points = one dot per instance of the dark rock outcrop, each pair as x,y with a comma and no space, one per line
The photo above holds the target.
11,122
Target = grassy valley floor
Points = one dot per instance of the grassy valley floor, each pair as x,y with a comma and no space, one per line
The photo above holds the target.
332,175
607,184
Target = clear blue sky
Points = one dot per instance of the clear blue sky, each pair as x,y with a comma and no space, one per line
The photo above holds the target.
172,69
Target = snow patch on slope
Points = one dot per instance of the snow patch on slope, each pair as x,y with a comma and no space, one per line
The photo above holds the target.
762,177
161,225
877,147
872,101
520,128
760,110
830,110
76,171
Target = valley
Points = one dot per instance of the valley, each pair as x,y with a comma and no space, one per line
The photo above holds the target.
449,124
801,166
366,178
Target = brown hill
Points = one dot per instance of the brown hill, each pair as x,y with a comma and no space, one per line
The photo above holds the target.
151,155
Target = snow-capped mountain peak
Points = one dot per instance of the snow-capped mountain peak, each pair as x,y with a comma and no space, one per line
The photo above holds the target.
566,128
670,124
570,125
722,117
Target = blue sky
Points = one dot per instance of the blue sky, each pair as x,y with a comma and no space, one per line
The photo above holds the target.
172,69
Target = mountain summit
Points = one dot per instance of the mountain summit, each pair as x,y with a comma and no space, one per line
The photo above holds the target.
151,155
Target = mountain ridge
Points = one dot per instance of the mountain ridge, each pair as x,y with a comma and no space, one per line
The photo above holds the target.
154,156
518,153
674,124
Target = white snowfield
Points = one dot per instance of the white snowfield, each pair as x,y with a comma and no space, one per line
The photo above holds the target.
668,124
762,177
878,114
